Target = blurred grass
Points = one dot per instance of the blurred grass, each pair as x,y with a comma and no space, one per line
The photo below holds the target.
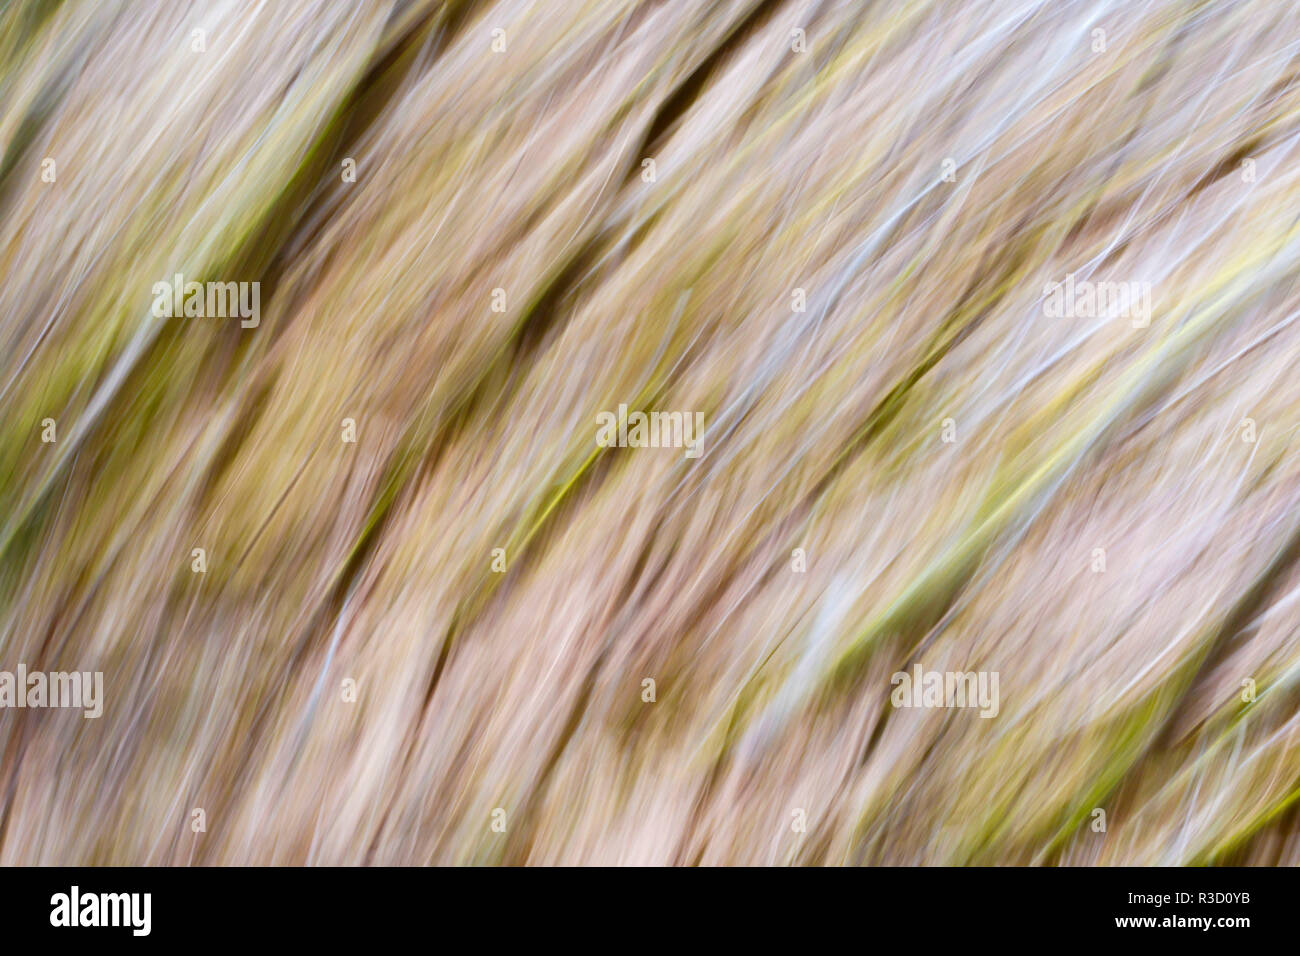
774,171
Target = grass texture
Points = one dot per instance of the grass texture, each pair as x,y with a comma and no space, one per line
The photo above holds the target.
1167,157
